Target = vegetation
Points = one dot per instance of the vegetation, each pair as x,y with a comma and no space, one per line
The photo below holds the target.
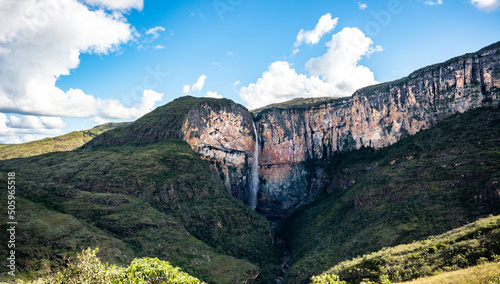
485,273
296,103
426,184
66,142
162,123
89,269
158,200
474,244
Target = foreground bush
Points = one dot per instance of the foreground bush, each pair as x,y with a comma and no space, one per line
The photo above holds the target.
88,269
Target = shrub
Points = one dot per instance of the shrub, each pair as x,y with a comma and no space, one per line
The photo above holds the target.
88,269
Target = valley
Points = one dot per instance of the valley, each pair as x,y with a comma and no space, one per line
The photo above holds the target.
336,178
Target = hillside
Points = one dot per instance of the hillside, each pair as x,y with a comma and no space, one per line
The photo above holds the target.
65,142
464,247
156,200
434,181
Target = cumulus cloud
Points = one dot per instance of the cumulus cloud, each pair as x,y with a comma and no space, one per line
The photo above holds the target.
433,2
40,40
281,83
117,5
196,86
339,65
158,47
114,108
486,5
324,26
236,83
214,95
155,32
30,121
362,6
336,73
14,129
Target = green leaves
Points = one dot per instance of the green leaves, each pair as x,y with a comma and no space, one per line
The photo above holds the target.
88,269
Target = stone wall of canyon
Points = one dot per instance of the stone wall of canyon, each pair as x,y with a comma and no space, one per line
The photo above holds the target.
293,138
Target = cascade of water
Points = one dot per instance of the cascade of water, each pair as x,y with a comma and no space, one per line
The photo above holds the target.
254,178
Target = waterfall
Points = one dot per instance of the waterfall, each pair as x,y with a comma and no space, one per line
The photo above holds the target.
254,178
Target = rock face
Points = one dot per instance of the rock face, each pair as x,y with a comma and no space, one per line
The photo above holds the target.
292,140
226,136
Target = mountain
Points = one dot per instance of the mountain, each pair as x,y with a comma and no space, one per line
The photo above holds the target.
157,200
434,181
464,247
294,138
336,178
66,142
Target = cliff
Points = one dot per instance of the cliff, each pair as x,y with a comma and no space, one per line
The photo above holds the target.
218,129
293,139
296,137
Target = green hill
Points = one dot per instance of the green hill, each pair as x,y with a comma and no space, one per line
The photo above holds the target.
135,200
434,181
474,244
65,142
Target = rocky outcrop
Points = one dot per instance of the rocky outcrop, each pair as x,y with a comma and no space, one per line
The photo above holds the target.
225,136
293,139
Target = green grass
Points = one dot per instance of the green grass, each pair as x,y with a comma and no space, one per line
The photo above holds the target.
467,246
296,103
434,181
65,142
155,200
488,273
162,123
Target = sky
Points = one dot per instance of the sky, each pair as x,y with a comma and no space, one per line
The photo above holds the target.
69,65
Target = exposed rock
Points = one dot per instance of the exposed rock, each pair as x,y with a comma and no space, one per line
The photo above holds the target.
375,116
224,135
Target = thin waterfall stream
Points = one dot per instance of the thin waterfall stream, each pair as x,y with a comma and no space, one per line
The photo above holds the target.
254,178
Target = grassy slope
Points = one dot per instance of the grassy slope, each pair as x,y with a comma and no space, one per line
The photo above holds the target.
65,142
145,201
434,181
464,247
296,103
484,273
93,184
164,122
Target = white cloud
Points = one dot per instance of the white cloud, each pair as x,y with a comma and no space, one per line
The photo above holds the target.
114,109
336,73
196,86
117,4
362,6
215,95
14,129
281,83
32,122
217,64
324,25
229,53
159,47
155,32
486,5
236,83
42,40
433,2
339,65
99,120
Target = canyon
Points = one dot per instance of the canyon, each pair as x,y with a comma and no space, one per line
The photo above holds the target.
293,139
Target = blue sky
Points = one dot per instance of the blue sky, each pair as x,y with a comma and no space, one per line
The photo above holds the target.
69,65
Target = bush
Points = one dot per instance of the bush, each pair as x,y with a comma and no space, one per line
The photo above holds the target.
327,279
88,269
